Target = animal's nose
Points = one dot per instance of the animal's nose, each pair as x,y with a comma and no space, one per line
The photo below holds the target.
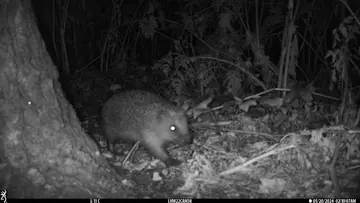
190,138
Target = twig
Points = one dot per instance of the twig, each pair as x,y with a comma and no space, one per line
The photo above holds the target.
134,148
331,167
244,165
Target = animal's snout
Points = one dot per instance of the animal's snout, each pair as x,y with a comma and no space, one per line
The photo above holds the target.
190,138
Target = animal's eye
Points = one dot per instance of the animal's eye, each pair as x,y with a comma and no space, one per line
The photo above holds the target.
172,128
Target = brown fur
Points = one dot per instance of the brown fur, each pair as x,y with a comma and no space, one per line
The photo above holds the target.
145,117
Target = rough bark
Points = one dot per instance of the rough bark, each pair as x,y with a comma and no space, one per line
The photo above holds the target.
44,152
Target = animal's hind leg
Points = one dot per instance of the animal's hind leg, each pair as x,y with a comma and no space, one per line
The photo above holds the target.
156,147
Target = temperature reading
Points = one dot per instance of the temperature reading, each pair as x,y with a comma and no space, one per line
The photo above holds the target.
94,200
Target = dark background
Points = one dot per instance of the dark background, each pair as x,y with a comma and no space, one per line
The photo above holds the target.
154,44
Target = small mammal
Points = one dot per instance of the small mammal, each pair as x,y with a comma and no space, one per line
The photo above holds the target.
143,116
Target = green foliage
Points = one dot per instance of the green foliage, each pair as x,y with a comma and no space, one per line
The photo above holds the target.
345,36
233,82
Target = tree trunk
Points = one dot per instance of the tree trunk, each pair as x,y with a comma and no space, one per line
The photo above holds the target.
44,152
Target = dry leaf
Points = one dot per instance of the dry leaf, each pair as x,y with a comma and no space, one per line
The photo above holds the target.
246,105
273,102
200,108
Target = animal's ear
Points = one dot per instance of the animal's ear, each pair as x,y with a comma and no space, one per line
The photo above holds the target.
162,114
